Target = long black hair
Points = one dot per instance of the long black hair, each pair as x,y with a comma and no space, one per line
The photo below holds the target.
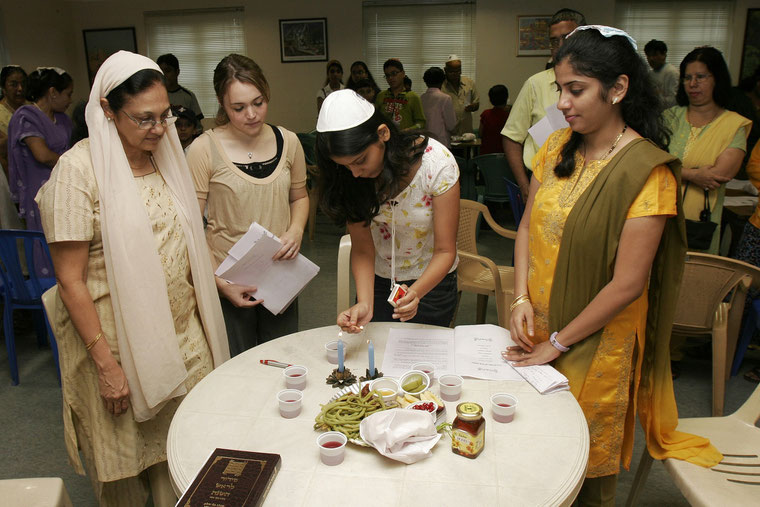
350,84
604,59
713,60
44,78
348,199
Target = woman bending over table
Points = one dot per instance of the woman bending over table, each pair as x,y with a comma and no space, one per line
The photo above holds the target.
398,192
603,212
246,171
710,140
137,319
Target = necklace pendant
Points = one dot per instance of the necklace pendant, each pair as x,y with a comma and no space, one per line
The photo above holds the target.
250,155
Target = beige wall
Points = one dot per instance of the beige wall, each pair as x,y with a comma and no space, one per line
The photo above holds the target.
49,32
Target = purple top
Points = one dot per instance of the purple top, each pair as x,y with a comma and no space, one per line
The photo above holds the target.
26,174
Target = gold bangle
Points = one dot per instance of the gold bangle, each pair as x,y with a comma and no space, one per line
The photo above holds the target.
518,301
93,342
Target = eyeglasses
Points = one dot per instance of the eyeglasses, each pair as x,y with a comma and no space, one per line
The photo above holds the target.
556,42
391,74
699,78
149,124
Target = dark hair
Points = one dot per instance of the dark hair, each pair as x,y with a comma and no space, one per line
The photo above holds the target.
716,65
234,67
655,46
407,81
42,79
568,15
7,72
134,85
170,60
498,95
605,59
79,129
330,65
351,85
393,62
348,199
434,77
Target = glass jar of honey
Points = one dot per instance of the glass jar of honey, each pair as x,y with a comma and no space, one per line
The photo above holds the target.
468,435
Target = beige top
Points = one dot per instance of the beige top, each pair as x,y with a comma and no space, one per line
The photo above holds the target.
70,211
235,199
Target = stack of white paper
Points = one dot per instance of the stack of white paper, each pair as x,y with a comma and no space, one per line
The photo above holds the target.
278,283
553,121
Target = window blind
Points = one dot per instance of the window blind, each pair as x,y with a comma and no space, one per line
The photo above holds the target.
199,39
682,25
420,35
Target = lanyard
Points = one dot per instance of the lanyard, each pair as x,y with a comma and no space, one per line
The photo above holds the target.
393,242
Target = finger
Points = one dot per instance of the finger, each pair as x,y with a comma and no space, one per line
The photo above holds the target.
353,315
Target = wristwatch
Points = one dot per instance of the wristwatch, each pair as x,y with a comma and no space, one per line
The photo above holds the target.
557,345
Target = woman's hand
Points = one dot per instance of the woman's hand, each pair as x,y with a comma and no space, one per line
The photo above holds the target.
239,295
522,320
704,177
352,319
542,353
291,245
113,388
407,306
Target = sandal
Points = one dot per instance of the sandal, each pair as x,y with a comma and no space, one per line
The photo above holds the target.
753,375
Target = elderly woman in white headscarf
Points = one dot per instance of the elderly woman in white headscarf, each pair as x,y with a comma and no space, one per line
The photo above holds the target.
137,317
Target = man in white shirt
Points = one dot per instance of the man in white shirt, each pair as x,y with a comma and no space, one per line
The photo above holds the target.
463,93
538,92
664,75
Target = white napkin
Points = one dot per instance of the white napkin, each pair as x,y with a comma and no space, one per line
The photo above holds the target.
403,435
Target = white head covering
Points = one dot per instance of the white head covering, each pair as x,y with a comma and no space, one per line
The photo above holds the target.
453,58
148,347
607,31
343,109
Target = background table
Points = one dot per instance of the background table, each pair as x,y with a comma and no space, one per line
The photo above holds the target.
538,459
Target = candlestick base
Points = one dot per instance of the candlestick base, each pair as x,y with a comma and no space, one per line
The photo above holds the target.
341,378
378,374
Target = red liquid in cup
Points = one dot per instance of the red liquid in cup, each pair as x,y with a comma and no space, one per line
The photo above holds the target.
427,371
450,385
332,445
290,401
295,375
505,405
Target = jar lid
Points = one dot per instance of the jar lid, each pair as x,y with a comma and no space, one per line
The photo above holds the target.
469,410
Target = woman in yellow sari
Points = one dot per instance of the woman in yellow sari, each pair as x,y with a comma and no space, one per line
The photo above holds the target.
710,140
599,255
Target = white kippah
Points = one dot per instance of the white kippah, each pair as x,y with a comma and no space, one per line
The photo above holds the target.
342,110
607,31
453,58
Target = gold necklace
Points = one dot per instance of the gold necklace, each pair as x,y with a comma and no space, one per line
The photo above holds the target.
585,162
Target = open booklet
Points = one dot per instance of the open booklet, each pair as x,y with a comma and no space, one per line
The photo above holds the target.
469,351
278,283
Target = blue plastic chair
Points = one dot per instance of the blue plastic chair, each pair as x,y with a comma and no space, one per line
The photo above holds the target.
495,169
750,326
515,200
24,293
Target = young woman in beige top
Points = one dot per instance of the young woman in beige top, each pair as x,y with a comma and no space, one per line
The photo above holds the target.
245,171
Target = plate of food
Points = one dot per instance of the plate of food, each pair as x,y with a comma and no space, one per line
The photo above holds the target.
346,409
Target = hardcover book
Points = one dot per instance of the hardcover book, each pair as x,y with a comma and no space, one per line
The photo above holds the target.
232,478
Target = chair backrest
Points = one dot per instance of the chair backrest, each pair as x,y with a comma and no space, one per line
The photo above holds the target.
308,140
494,169
515,200
467,240
11,271
707,280
749,412
344,275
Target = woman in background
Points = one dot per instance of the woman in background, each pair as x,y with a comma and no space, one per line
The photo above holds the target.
12,84
248,171
360,72
333,82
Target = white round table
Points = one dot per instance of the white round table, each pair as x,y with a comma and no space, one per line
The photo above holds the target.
538,459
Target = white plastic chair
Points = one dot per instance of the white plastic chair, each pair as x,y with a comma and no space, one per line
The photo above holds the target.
37,492
344,273
735,480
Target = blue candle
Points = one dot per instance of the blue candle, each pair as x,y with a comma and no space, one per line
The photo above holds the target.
371,352
340,356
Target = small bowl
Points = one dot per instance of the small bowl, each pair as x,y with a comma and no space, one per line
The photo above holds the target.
419,378
416,404
387,388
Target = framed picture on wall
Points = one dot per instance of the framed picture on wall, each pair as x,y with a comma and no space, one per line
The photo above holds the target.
751,47
101,43
303,40
533,36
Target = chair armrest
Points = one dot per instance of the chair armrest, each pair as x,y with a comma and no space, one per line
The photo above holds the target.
487,263
501,231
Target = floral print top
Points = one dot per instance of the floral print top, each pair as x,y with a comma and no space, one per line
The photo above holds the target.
414,216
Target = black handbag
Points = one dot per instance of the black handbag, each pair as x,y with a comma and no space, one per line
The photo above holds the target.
699,233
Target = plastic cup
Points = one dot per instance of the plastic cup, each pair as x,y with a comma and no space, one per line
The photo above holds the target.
503,407
290,402
428,368
450,386
388,388
331,351
295,377
332,447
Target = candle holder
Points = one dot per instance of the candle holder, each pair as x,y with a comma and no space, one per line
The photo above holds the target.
367,376
341,378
